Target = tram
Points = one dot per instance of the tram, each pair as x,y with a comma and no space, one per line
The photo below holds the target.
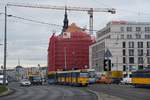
72,77
141,78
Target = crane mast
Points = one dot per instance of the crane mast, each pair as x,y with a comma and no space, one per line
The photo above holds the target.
83,9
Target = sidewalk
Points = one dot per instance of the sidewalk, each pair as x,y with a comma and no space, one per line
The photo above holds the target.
8,92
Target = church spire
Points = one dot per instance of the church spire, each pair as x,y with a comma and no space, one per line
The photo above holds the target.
65,26
18,62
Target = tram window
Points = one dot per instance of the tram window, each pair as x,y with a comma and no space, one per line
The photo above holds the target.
130,75
84,75
73,74
147,75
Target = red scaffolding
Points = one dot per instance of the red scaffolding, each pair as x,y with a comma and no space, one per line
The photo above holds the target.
70,50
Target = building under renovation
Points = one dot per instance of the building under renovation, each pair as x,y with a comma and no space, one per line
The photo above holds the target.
70,49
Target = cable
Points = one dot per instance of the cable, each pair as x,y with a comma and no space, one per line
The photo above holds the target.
42,22
33,20
36,21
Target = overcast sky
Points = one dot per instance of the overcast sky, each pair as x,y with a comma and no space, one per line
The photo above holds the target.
28,41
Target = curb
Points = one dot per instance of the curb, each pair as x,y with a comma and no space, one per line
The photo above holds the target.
8,92
96,93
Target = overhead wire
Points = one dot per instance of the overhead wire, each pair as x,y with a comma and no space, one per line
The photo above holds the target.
36,21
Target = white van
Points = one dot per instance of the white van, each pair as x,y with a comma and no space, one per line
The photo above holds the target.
127,79
1,80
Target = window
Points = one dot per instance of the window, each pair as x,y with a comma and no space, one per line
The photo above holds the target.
148,60
124,52
138,36
147,29
138,29
129,29
124,67
140,52
122,36
140,67
124,60
129,36
131,60
147,36
122,29
131,44
140,44
148,44
83,74
123,44
148,52
140,60
131,52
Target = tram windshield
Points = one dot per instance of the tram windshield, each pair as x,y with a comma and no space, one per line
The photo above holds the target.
84,75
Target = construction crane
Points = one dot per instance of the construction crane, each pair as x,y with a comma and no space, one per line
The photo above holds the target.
84,9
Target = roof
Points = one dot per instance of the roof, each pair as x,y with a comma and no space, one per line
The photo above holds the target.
73,31
123,22
19,66
73,28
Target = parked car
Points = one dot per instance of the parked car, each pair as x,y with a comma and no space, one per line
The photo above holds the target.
25,82
1,80
35,80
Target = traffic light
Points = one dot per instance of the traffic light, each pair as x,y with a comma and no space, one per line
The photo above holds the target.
107,65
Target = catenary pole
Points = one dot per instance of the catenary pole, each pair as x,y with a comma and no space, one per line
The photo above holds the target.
5,46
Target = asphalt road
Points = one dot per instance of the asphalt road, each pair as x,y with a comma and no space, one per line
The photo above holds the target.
49,92
125,92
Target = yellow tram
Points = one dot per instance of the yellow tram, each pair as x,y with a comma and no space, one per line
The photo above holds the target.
141,78
72,77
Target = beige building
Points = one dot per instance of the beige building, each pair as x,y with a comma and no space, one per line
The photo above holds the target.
128,43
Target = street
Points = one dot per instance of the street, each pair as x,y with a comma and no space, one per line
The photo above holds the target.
49,92
60,92
126,92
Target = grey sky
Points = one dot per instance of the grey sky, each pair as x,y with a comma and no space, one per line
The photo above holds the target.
28,41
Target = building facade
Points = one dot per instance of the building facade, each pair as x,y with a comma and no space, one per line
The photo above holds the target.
69,50
128,43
